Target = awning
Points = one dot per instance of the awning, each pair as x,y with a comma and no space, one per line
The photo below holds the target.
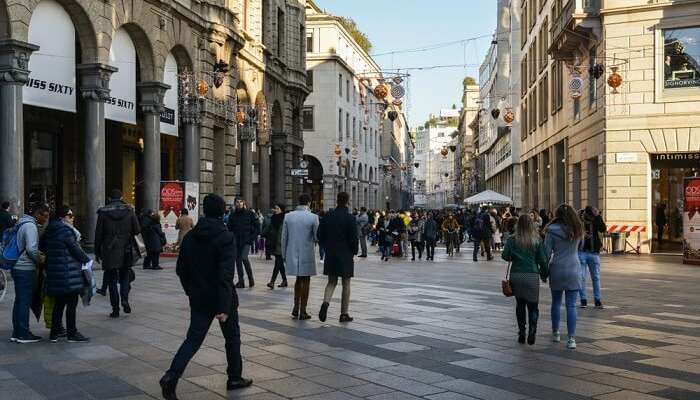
488,197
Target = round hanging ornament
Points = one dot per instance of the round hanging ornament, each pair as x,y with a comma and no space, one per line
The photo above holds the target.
392,115
397,103
381,91
615,80
509,117
444,151
398,91
241,117
337,150
202,87
575,87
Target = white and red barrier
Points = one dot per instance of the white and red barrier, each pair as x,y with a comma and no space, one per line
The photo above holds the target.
629,230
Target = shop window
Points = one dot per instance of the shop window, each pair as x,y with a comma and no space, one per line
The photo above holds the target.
308,118
310,42
682,58
340,125
340,85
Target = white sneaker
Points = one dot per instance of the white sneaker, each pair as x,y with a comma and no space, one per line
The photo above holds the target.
556,337
571,344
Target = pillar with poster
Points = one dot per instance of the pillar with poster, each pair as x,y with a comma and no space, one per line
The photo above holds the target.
176,196
691,221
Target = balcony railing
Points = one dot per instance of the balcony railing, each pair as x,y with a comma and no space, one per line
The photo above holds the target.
577,16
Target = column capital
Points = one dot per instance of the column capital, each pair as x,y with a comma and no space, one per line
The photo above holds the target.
94,80
246,133
14,60
152,94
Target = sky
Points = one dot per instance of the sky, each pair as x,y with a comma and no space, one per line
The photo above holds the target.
394,25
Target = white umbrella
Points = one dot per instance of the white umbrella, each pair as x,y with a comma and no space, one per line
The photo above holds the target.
488,197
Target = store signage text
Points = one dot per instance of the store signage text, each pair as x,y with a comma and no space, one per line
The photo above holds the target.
125,104
167,116
675,160
53,87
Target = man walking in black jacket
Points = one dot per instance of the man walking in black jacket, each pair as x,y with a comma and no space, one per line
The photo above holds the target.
246,228
337,233
205,268
589,254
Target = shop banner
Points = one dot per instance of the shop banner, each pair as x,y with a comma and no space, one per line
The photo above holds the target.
192,200
51,81
691,221
169,117
121,106
174,197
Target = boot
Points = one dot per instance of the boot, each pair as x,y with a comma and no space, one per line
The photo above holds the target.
115,313
168,384
303,315
533,316
295,310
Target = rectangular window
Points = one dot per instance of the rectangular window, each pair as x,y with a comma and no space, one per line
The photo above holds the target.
308,118
280,33
555,68
523,120
354,129
340,85
592,175
682,58
340,125
545,44
576,186
523,31
545,98
592,82
310,42
347,90
347,125
523,75
577,109
302,52
310,79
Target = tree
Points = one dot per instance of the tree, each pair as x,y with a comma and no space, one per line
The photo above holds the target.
468,81
357,35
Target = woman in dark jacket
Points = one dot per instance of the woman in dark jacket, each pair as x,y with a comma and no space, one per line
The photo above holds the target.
385,238
430,234
64,276
273,236
153,239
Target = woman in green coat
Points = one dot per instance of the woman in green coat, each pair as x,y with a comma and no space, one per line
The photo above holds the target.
526,253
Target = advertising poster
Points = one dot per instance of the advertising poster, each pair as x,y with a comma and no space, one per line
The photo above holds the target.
192,199
172,200
169,116
691,221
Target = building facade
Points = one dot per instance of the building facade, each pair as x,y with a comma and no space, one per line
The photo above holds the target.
436,156
128,94
464,165
612,109
342,120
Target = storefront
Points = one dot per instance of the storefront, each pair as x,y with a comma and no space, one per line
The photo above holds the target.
667,173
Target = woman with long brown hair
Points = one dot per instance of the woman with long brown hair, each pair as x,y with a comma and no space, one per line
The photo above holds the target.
525,251
561,242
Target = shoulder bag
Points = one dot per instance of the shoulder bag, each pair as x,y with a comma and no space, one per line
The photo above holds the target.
506,287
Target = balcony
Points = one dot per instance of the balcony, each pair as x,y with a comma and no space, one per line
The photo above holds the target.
577,24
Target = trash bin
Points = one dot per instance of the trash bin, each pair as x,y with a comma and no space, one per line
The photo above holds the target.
619,242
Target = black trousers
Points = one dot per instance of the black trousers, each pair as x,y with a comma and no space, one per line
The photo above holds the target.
152,260
200,322
416,245
430,249
119,294
533,313
478,242
279,269
243,261
69,302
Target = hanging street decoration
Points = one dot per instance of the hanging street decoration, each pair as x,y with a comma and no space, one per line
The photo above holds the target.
392,115
596,71
397,80
202,87
576,87
495,113
397,92
615,80
444,152
381,91
397,103
338,151
509,116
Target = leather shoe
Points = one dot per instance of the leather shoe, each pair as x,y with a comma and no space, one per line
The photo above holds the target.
168,383
101,292
233,384
240,285
127,308
346,318
324,312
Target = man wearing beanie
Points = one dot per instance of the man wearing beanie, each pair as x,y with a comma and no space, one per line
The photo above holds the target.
205,266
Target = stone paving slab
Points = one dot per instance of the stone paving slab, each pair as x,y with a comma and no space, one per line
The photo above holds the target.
439,331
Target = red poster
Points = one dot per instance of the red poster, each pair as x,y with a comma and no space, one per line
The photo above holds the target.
691,221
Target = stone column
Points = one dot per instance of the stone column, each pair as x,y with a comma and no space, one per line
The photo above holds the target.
192,148
94,88
246,135
278,156
14,59
152,105
264,176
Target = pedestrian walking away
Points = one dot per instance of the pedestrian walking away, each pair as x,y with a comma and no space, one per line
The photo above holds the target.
589,254
430,233
415,236
337,233
561,243
525,252
273,238
481,232
153,238
205,266
24,272
363,229
299,235
246,228
116,249
64,273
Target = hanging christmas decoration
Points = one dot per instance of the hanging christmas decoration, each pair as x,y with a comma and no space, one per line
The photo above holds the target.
614,80
354,152
397,103
337,150
397,80
596,71
444,152
241,116
575,87
397,91
509,117
453,148
495,113
403,167
416,165
392,115
381,91
202,87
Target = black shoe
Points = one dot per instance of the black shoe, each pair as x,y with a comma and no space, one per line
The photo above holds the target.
584,303
304,316
599,305
240,285
240,383
127,308
475,260
159,268
324,312
363,256
77,337
413,259
251,283
101,292
168,383
271,285
146,267
61,332
521,337
346,318
531,337
31,338
53,337
295,312
115,313
283,284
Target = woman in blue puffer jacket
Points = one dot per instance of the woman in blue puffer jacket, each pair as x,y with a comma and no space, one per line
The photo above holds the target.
64,277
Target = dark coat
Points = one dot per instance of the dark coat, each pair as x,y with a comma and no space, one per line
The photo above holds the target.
337,233
64,259
397,225
244,225
205,266
481,226
593,226
274,234
116,227
6,221
153,235
430,230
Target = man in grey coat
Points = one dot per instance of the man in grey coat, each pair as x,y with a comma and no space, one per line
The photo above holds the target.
362,222
298,250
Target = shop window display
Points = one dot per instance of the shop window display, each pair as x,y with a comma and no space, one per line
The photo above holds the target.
682,58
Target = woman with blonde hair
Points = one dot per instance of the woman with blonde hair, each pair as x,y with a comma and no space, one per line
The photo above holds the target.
562,239
525,251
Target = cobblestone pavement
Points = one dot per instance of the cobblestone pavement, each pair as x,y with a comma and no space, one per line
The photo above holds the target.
439,331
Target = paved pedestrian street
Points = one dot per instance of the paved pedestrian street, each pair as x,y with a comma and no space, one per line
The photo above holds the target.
438,331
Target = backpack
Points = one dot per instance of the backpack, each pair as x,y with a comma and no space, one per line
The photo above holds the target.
9,251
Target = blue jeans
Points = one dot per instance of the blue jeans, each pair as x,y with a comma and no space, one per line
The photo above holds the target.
386,251
590,262
24,290
570,310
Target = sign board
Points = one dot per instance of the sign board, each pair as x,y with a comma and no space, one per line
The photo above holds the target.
300,172
51,81
121,106
691,221
675,160
626,157
174,197
169,116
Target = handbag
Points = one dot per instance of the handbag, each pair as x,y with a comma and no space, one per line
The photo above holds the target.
506,287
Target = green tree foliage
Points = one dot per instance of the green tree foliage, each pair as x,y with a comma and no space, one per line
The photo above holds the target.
469,81
351,26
